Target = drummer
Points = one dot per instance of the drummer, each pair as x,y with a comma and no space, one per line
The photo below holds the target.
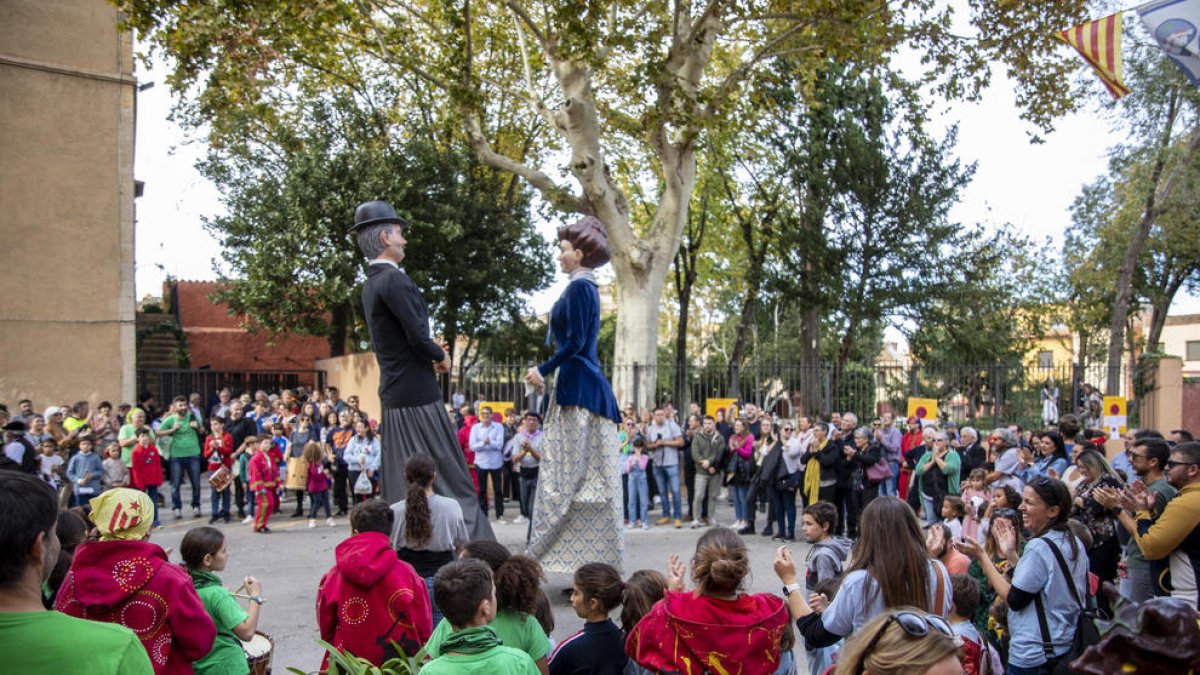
205,552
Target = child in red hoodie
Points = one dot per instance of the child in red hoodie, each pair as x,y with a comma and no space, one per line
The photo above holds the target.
145,470
369,598
125,579
218,449
264,477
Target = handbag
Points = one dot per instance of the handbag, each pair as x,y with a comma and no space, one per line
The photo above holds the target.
1086,633
879,471
362,486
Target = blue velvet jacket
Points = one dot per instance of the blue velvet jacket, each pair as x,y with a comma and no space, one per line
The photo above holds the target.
575,325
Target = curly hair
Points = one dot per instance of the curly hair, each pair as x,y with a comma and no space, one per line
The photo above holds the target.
418,525
518,584
721,562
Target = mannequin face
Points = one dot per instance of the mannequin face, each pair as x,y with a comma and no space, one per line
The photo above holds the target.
569,259
393,241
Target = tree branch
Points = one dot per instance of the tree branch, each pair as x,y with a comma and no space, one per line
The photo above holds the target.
528,20
557,195
539,106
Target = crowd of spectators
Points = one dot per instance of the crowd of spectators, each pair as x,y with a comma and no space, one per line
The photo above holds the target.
933,549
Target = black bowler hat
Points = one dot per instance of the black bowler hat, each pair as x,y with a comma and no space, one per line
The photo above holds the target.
375,213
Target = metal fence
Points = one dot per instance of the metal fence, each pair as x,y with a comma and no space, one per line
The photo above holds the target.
166,383
985,393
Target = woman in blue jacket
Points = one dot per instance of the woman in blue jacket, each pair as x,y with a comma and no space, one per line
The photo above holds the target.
576,512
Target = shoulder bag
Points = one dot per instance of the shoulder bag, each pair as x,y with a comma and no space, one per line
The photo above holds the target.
1086,633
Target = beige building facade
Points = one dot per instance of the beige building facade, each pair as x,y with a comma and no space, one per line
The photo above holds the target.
67,97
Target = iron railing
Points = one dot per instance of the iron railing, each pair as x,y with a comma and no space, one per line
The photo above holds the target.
166,383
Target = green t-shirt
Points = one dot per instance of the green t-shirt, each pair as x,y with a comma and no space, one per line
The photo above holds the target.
227,656
127,432
185,442
51,642
495,661
516,629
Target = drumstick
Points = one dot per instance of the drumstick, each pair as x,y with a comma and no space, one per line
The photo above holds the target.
245,597
239,589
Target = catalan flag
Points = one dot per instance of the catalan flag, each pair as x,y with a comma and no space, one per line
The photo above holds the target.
1099,42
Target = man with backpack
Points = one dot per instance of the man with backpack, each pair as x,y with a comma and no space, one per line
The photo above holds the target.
18,449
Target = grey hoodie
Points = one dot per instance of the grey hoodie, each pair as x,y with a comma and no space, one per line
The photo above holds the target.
825,560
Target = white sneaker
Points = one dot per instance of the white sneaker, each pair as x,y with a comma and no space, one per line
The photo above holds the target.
178,514
520,520
645,526
329,522
695,524
247,520
312,523
196,512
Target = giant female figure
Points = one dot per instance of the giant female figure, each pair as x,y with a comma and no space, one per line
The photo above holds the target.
577,509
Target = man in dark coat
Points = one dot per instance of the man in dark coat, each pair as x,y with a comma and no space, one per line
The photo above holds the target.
413,420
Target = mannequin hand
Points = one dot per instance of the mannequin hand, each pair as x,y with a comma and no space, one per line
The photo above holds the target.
442,366
533,377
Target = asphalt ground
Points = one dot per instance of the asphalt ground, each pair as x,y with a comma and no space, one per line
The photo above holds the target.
291,559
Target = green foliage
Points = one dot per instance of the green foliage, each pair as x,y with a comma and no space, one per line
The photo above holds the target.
342,662
291,198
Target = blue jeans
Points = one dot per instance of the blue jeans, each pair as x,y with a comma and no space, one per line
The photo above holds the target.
1043,669
933,514
639,497
152,492
891,486
178,464
784,504
437,613
220,502
527,489
317,500
667,479
740,493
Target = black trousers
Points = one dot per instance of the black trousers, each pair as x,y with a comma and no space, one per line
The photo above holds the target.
858,501
239,496
689,479
758,494
496,476
341,487
841,501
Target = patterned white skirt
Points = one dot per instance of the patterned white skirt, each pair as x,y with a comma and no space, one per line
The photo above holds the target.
577,509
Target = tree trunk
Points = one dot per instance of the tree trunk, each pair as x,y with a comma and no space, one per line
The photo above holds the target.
636,352
339,323
1124,291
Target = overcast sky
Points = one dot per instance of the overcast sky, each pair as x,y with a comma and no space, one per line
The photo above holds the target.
1028,185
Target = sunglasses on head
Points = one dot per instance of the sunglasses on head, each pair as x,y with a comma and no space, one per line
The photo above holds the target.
914,626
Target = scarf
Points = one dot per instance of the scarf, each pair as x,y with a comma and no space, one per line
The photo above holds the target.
472,640
203,579
584,273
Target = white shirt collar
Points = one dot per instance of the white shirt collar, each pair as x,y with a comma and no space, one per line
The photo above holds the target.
385,261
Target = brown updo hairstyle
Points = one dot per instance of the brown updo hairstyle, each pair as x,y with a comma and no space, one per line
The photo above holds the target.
587,235
418,525
721,562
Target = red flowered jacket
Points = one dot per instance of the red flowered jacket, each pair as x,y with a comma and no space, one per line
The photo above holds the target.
370,598
131,583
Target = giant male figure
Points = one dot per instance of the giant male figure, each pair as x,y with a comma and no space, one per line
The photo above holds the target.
414,420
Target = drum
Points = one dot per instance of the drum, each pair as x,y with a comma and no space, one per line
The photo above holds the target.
258,653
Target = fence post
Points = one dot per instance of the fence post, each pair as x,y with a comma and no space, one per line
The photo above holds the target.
735,389
996,395
826,385
637,382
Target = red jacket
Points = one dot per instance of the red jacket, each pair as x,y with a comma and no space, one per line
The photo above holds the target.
132,584
146,467
263,472
369,598
218,456
690,635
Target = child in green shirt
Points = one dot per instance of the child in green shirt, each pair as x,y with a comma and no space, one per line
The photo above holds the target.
464,591
204,552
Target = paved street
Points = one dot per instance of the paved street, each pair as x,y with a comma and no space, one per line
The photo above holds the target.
291,560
